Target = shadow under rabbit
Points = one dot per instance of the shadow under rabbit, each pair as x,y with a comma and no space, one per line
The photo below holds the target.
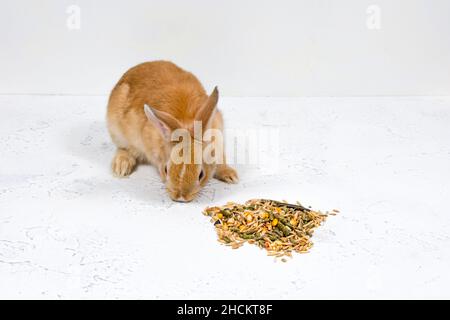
90,141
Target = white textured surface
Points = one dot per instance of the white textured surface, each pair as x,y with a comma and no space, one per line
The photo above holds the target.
68,229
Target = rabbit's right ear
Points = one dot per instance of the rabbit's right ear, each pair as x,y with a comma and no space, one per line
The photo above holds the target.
162,120
207,110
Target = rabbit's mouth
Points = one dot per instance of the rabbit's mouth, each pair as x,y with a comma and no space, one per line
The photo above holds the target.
180,199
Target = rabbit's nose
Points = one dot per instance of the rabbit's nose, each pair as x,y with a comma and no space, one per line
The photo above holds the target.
181,199
178,197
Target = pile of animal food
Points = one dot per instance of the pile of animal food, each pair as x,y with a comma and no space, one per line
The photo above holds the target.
278,227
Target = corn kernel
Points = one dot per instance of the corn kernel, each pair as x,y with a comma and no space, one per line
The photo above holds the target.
219,216
274,222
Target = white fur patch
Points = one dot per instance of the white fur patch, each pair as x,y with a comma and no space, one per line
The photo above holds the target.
183,172
117,136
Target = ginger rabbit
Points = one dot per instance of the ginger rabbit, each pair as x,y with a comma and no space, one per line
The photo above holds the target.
149,103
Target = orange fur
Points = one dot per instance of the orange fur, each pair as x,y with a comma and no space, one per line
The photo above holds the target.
177,99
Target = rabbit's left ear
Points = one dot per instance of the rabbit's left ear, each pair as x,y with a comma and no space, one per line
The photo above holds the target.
164,121
205,113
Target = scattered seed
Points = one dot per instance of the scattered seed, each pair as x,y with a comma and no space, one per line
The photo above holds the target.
278,227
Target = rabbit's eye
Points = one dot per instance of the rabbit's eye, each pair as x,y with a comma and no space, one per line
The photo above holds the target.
201,175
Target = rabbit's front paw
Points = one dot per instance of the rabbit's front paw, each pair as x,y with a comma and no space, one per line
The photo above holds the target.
123,163
226,174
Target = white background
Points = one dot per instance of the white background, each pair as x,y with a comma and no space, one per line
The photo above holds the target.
248,48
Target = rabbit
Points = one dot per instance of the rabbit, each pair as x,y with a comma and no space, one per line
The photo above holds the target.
147,105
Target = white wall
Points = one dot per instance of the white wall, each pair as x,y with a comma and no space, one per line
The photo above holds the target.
247,47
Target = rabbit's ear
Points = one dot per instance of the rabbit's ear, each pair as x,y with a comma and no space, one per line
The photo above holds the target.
163,121
205,113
